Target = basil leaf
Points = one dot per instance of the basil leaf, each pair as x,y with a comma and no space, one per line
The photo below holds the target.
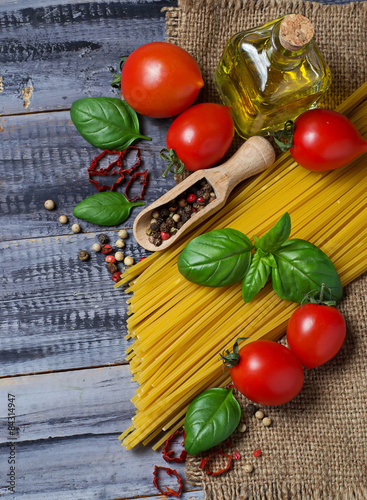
217,258
210,419
276,236
255,278
106,122
105,209
302,268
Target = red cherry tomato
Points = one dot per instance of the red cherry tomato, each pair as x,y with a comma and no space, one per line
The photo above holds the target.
315,333
268,373
201,135
160,80
325,140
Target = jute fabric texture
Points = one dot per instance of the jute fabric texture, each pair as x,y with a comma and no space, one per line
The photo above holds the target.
316,447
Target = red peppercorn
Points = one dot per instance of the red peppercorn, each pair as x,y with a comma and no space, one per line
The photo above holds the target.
191,198
257,453
200,200
106,249
193,210
116,277
110,258
165,235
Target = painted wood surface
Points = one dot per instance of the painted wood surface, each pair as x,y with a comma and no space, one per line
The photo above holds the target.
66,441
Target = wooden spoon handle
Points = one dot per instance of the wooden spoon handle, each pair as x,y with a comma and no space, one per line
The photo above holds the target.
254,156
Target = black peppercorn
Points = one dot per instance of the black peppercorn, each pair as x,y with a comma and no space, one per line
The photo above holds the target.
83,255
164,212
180,224
154,226
182,202
164,227
157,242
200,193
187,209
111,267
185,217
181,211
207,187
169,223
156,234
103,239
206,195
251,409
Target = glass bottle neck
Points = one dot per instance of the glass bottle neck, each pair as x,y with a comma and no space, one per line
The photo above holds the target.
282,58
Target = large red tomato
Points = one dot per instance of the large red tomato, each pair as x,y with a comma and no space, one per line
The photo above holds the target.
201,135
325,140
315,333
267,373
160,80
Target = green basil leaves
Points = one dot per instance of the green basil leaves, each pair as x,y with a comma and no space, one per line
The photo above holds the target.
297,268
106,122
218,258
105,209
210,419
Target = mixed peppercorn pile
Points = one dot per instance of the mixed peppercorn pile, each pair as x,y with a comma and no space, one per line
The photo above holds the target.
170,218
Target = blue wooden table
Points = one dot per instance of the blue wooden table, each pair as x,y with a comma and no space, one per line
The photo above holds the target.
65,388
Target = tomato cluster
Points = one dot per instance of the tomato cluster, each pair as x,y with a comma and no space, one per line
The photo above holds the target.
162,80
269,373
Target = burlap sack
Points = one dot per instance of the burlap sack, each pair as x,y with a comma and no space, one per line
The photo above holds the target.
316,445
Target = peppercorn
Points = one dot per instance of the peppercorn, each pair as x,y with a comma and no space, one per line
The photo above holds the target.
242,428
206,195
157,242
103,239
83,255
259,415
176,218
164,227
106,249
116,276
201,207
266,421
160,220
49,205
123,234
165,235
111,267
179,225
156,234
251,409
207,187
212,198
172,208
185,218
155,214
151,239
148,231
120,244
191,198
257,453
128,261
154,226
248,468
76,228
169,222
182,202
201,200
164,212
187,209
63,219
96,247
181,211
173,230
199,193
195,204
110,258
119,256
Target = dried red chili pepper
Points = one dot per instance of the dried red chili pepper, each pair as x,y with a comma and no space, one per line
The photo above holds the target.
205,460
167,452
142,181
171,472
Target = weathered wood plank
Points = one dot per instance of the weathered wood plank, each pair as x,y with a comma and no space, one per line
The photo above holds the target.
42,157
56,311
66,443
68,51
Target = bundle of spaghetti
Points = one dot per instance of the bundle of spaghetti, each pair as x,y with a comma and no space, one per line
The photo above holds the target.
180,328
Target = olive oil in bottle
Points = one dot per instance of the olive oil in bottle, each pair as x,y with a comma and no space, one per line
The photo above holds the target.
271,74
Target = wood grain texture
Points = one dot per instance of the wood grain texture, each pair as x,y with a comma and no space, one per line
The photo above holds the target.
69,50
42,156
67,442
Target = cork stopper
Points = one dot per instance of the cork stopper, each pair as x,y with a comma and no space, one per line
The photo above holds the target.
295,32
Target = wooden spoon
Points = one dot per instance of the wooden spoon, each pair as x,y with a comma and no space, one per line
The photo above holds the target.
254,156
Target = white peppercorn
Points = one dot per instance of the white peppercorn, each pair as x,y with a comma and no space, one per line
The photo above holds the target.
63,219
259,415
76,228
128,261
96,247
120,243
119,256
155,214
248,468
266,421
242,428
123,234
176,217
49,205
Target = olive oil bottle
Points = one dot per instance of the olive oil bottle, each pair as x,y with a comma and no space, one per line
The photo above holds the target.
271,74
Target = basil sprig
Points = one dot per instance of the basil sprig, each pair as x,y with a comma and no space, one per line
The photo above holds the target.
108,208
106,122
218,258
210,419
296,267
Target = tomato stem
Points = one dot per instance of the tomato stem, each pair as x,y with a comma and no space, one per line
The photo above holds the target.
284,137
317,297
230,359
175,165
